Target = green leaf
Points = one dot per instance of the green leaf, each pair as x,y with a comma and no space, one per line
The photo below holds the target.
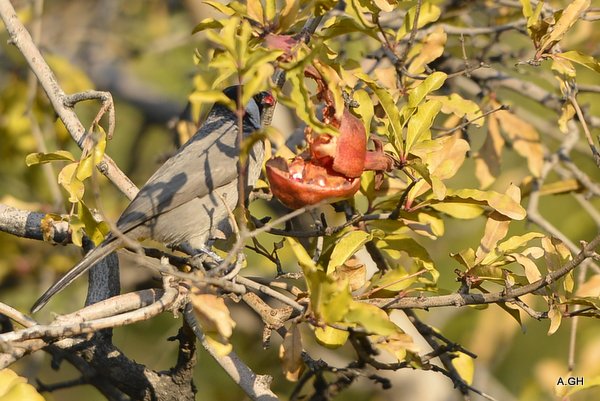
340,25
40,158
304,259
371,318
15,388
300,101
347,246
208,23
391,110
392,281
431,83
419,125
211,96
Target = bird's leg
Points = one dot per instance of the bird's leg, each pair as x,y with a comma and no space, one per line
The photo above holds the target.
201,258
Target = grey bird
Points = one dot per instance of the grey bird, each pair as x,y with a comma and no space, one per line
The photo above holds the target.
189,197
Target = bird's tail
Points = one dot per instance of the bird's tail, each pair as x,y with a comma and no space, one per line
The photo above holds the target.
84,265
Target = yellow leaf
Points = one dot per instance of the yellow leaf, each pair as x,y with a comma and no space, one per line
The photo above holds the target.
419,125
16,388
290,354
591,288
496,228
555,316
465,211
455,104
255,11
431,49
221,346
39,158
569,16
213,315
500,202
556,253
396,344
463,364
487,163
525,139
579,58
567,113
428,13
531,270
304,259
425,87
353,272
330,337
69,181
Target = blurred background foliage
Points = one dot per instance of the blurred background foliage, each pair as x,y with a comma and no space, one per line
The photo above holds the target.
142,52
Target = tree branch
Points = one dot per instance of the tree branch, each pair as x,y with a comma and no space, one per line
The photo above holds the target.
22,40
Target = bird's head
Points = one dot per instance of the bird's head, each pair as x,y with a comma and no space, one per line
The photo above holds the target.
255,107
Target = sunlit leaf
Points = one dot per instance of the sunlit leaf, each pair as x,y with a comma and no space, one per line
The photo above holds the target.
346,247
524,137
496,228
208,23
569,16
428,13
213,315
502,203
431,49
331,338
531,270
517,241
464,108
465,367
15,388
40,158
580,58
95,230
428,85
69,181
555,316
487,162
420,123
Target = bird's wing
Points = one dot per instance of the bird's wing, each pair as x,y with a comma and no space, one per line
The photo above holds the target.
208,161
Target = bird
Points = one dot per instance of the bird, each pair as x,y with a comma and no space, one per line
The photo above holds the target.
190,196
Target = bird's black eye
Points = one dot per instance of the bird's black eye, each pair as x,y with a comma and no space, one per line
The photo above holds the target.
263,100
